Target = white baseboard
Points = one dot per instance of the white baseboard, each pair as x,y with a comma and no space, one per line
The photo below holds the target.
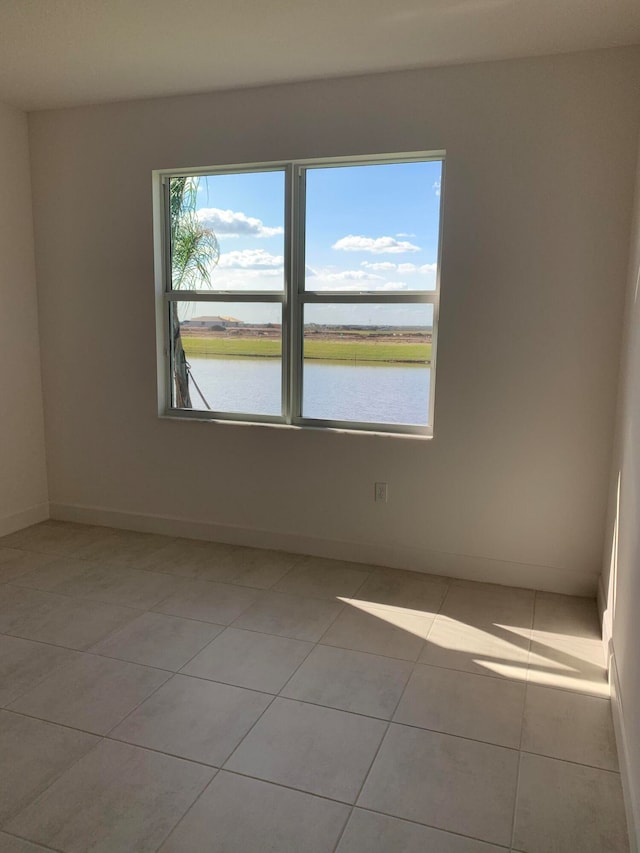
629,787
24,518
464,566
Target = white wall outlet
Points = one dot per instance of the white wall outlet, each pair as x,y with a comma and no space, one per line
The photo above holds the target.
381,492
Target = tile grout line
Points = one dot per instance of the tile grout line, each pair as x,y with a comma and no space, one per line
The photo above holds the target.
431,627
101,739
104,565
141,611
450,582
6,705
529,653
276,696
151,609
382,739
285,637
224,627
135,708
151,665
522,724
246,735
158,604
99,562
95,563
596,767
325,798
218,770
186,812
52,722
428,826
433,826
89,651
339,613
343,829
55,778
63,666
68,596
516,794
302,662
314,646
108,736
37,844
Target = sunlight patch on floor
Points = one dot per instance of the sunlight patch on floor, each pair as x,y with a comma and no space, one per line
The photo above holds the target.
399,617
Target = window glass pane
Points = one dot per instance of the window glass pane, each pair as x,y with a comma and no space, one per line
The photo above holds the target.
227,357
373,228
227,231
369,363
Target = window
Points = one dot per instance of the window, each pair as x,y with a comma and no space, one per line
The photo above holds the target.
301,293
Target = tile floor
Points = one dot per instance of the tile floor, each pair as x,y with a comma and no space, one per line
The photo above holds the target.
168,695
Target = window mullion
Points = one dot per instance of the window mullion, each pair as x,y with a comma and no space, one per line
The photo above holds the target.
288,285
296,286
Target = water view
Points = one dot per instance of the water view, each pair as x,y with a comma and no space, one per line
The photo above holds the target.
356,371
372,393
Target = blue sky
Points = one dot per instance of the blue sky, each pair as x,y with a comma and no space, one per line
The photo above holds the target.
368,228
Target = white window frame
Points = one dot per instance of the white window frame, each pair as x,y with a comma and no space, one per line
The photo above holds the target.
293,297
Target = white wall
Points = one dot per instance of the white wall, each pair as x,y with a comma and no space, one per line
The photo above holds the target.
23,482
537,211
620,590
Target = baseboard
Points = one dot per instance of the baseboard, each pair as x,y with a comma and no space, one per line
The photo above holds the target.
464,566
24,518
629,787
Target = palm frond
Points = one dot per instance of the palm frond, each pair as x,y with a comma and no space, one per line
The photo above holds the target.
194,249
194,254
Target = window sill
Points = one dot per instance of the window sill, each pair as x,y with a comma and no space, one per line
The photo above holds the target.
334,430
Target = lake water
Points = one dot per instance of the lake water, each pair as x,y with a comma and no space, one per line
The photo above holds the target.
377,394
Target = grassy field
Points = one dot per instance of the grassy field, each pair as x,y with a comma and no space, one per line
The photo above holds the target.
349,351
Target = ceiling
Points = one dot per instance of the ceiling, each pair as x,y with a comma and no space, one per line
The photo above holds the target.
57,53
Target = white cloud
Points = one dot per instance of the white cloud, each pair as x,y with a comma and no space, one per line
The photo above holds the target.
421,268
352,275
404,234
335,288
379,266
395,285
250,259
234,223
437,186
370,287
388,266
375,245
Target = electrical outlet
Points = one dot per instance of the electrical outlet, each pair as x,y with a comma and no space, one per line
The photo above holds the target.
381,492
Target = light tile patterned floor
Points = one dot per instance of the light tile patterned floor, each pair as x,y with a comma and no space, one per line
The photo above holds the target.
160,694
